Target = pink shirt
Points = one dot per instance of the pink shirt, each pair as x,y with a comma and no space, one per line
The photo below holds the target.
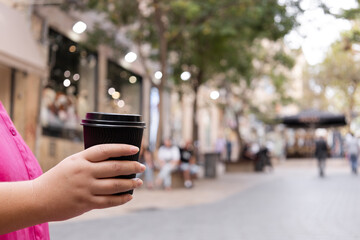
17,163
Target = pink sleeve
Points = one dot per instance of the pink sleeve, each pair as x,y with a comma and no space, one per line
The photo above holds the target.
18,163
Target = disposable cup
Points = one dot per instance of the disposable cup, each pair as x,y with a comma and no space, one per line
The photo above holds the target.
101,128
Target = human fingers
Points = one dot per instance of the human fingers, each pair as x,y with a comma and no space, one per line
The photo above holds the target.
111,200
108,169
104,151
114,185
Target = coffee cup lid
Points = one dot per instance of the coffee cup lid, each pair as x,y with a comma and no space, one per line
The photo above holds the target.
99,118
113,117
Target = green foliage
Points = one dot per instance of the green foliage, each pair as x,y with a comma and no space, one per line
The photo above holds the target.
205,37
284,59
103,36
120,13
188,9
340,73
339,67
351,14
224,34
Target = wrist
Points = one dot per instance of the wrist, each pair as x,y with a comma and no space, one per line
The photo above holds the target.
39,201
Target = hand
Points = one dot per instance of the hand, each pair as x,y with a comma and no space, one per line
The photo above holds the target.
192,160
161,163
175,163
84,181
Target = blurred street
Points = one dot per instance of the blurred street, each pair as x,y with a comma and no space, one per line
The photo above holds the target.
290,203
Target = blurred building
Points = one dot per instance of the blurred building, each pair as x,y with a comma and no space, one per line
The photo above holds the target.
216,123
22,67
50,80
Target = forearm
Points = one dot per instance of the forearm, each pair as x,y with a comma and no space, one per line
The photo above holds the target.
79,183
19,208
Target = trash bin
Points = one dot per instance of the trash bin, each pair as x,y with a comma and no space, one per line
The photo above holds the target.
211,160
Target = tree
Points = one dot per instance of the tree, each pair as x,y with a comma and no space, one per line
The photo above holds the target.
145,23
224,40
270,68
205,36
340,73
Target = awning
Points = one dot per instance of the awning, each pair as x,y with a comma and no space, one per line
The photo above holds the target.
18,48
312,118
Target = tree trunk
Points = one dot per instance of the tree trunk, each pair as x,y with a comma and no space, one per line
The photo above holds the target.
196,85
163,62
237,114
350,108
195,136
237,131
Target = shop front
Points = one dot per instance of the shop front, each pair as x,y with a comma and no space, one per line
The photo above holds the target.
22,67
75,87
48,81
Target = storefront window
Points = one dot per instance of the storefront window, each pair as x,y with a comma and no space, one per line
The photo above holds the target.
70,90
123,90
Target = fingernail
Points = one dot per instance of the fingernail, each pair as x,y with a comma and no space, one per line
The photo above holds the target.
142,167
138,182
134,149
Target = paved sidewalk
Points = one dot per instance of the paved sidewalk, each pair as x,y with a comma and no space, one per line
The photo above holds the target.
292,203
204,191
209,190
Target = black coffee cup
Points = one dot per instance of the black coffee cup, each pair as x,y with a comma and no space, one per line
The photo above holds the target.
100,128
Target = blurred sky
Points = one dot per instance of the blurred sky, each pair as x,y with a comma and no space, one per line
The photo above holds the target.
318,30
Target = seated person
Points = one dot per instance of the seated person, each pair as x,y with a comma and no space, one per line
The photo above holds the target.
187,164
168,157
246,153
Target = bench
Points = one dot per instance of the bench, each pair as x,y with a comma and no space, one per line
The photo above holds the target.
243,166
177,178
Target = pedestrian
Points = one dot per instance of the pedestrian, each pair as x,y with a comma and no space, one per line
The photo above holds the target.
220,145
228,150
169,158
188,164
352,151
321,152
79,183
